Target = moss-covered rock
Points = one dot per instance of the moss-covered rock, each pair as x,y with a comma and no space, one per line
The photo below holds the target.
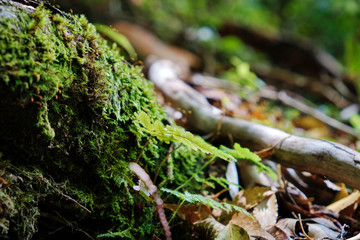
67,104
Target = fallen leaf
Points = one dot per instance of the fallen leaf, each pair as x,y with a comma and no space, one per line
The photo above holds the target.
318,231
232,232
287,225
316,228
233,177
251,226
266,212
251,197
278,233
208,228
191,213
344,202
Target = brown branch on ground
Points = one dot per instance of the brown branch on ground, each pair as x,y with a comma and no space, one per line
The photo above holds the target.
333,160
283,97
284,79
140,172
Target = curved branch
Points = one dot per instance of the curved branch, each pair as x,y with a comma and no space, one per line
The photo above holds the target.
333,160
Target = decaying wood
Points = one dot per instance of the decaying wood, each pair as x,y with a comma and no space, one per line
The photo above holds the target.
333,160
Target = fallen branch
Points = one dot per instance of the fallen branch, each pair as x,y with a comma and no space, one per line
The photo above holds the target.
285,79
302,107
333,160
140,172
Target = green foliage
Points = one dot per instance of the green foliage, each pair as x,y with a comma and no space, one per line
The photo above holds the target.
245,154
355,121
327,23
197,198
223,182
126,234
352,59
242,75
183,14
178,134
120,39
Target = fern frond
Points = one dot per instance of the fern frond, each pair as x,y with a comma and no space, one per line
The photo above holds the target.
177,134
223,182
244,153
197,198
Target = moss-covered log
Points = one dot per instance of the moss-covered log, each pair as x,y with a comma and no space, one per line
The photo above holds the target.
67,103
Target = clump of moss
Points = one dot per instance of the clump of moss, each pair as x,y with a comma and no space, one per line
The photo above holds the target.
66,125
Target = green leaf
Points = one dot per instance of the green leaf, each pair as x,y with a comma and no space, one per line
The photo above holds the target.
197,198
241,153
177,134
355,121
120,39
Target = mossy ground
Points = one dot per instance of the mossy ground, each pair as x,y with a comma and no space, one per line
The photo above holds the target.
67,132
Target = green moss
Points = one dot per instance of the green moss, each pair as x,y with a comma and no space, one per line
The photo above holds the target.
67,106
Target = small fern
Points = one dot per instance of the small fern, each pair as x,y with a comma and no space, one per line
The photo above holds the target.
178,134
197,198
244,153
123,234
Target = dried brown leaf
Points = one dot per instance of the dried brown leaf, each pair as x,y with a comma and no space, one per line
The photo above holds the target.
251,226
266,212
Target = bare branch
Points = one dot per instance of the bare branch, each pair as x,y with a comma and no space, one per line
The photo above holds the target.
333,160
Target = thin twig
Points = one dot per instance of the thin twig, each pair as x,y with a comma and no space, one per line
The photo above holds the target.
273,146
176,210
302,229
140,172
170,151
143,149
71,199
302,107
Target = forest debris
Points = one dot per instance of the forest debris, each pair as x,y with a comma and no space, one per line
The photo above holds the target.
192,213
232,232
267,212
233,177
333,160
345,202
209,227
140,173
252,226
198,79
250,176
285,79
301,106
251,197
357,237
315,228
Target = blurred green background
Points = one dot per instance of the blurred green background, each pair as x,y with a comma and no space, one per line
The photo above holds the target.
330,24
